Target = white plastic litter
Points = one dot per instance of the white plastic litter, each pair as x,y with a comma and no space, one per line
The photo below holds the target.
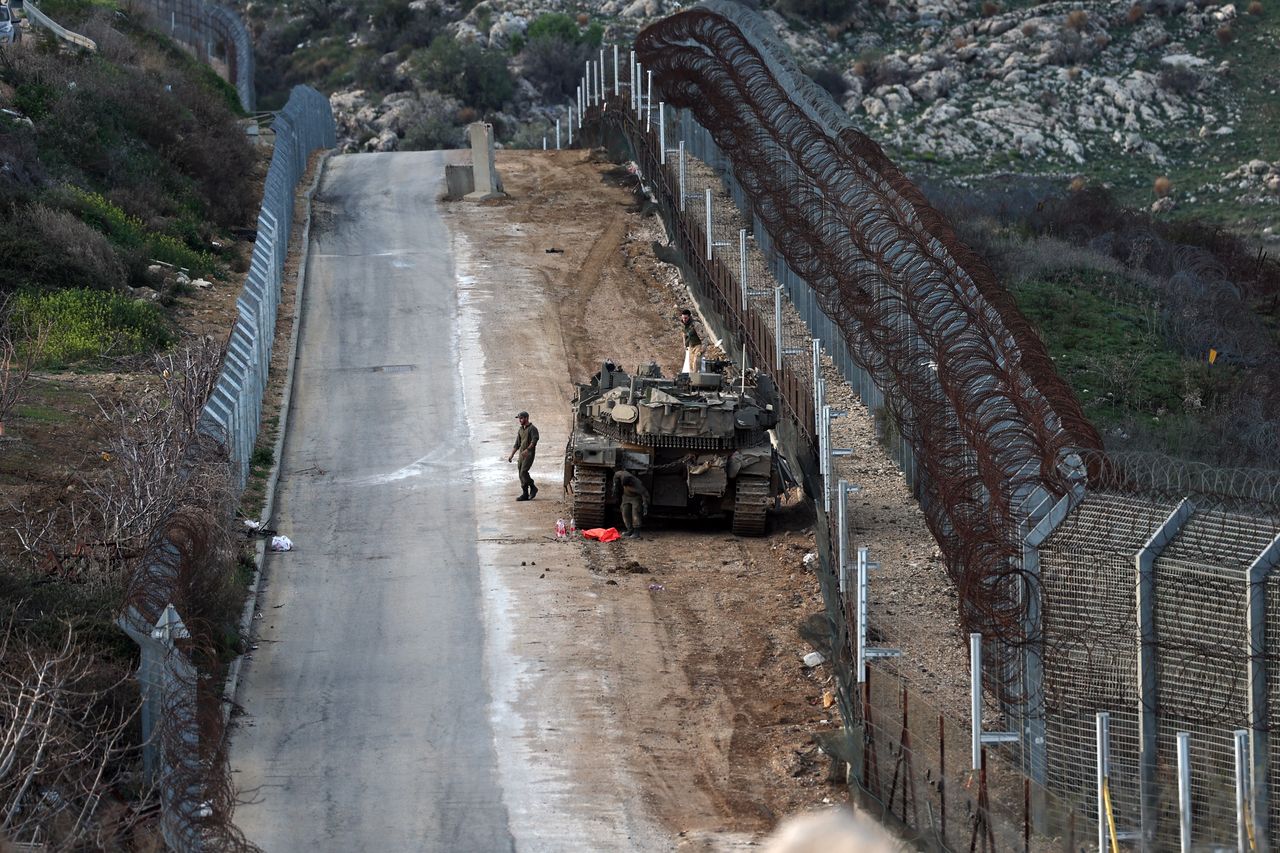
281,543
809,558
252,525
814,659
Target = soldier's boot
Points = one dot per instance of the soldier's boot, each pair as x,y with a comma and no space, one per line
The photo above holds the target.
533,491
524,493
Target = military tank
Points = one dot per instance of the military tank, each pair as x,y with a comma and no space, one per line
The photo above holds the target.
698,441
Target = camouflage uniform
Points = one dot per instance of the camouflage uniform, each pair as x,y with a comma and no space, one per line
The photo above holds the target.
526,444
633,498
692,345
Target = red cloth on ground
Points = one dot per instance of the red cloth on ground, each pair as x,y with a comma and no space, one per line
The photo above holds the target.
604,534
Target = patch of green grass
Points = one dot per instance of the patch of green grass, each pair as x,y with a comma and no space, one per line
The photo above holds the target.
1111,351
42,414
86,324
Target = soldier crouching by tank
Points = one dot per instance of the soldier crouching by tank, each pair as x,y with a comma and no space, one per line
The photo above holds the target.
633,498
526,444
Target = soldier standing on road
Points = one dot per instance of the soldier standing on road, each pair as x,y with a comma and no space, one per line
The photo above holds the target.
692,342
526,444
634,500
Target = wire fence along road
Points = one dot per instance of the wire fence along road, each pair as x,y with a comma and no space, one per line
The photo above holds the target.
184,747
214,32
1122,603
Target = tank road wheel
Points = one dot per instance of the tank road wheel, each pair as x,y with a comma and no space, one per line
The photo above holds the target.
589,496
750,506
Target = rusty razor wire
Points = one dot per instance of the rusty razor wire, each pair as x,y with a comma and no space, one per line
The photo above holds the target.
993,426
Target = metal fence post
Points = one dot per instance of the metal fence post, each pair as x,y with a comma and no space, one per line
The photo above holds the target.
817,376
632,91
1260,730
978,737
648,104
842,527
571,126
708,202
1104,773
1148,725
1184,792
860,608
742,266
777,325
1244,829
682,193
975,700
662,133
557,134
617,84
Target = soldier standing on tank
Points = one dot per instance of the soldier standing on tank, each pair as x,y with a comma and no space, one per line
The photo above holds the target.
634,500
692,342
526,444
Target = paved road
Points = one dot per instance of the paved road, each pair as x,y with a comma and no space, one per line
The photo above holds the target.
417,686
366,724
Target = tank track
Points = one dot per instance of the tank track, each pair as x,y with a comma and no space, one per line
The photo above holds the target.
589,496
751,506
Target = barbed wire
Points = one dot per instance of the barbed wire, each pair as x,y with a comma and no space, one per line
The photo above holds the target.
975,390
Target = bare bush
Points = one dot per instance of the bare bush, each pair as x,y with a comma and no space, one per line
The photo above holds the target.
121,508
64,732
85,253
432,123
152,435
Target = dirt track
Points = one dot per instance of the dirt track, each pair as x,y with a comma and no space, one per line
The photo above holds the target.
689,636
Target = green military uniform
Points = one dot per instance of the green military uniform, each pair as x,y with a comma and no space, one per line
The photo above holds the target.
691,336
526,445
633,498
692,347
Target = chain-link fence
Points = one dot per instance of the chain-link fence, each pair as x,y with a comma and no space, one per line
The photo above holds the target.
214,32
234,409
181,720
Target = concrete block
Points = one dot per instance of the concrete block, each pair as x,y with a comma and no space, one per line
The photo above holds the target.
488,184
459,181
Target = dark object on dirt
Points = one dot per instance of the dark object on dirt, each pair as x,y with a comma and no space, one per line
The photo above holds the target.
699,442
555,251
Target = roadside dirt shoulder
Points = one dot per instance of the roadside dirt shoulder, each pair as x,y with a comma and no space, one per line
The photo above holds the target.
696,631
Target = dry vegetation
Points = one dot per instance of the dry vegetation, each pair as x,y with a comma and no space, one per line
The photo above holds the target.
110,163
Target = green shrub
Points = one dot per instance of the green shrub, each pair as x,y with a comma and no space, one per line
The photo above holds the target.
477,77
33,99
171,250
125,230
553,53
553,25
87,324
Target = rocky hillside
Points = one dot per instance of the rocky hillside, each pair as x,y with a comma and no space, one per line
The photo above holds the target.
1172,105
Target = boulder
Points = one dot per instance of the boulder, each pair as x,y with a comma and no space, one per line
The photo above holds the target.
508,26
